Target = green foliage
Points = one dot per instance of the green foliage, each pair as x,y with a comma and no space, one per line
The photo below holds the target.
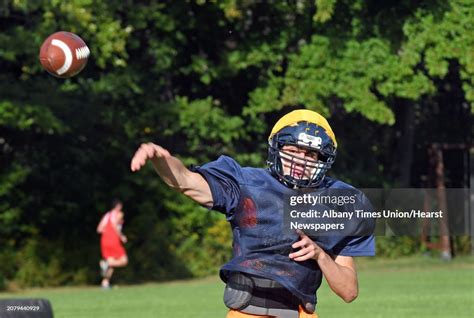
392,247
25,117
325,9
205,251
2,282
203,123
37,268
8,261
462,244
438,41
363,73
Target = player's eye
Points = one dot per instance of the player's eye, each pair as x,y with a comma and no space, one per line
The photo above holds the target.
312,155
292,150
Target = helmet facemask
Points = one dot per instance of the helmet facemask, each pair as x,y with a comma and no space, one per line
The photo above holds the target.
299,171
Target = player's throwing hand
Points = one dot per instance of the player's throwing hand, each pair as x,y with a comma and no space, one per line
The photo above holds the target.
145,152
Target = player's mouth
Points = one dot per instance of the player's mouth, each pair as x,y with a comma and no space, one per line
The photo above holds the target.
297,172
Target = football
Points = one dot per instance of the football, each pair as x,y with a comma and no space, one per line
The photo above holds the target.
64,54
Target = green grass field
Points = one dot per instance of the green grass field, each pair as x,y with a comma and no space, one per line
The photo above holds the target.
409,287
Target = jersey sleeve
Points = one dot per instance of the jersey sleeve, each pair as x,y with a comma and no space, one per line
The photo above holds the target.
362,241
359,239
355,246
223,177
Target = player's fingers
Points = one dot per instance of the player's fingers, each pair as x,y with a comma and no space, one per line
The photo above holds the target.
301,252
133,165
303,242
304,257
138,160
300,243
143,153
148,150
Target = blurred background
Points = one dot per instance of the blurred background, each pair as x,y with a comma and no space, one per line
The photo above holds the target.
205,78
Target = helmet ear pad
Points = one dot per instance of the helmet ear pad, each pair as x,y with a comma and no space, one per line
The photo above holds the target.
304,135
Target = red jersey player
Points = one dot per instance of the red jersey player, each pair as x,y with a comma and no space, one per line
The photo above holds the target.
111,242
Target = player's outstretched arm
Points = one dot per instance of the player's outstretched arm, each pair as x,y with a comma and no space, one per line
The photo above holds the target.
173,172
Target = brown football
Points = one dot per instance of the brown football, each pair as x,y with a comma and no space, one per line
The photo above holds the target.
64,54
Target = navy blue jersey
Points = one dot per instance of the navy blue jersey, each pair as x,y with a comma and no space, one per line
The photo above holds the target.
252,200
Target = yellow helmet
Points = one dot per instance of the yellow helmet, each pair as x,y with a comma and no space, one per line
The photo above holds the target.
305,129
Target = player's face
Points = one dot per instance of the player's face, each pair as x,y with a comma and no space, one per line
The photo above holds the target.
298,162
118,207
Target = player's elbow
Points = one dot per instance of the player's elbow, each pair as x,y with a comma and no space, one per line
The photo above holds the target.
350,295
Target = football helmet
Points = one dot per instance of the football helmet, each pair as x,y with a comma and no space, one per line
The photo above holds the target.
308,131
